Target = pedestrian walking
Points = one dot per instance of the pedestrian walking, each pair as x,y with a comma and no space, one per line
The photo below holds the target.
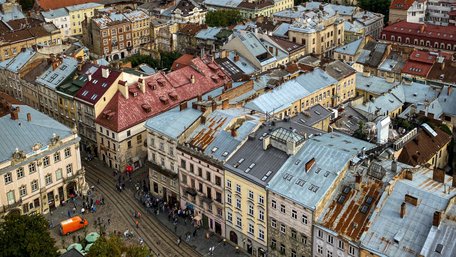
109,221
137,224
98,181
178,241
69,214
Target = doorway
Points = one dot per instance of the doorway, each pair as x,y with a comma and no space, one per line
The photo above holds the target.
233,237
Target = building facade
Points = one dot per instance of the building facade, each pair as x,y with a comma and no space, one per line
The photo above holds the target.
38,176
79,13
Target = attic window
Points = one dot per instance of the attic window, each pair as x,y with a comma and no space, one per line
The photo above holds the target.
300,182
364,209
151,85
104,84
310,164
225,154
95,81
214,78
341,199
214,149
164,99
241,160
439,248
146,107
297,162
85,92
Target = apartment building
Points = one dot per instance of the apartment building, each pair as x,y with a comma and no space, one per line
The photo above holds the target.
58,72
25,33
301,93
91,99
145,98
140,29
164,132
346,81
187,11
40,162
438,11
79,13
251,8
301,187
61,19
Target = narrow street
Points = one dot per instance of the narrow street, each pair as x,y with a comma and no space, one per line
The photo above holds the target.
155,230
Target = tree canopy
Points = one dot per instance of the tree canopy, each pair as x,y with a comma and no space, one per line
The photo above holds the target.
26,4
378,6
165,62
113,246
223,18
26,235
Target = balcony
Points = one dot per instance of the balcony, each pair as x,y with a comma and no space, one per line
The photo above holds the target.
207,200
190,191
162,170
8,207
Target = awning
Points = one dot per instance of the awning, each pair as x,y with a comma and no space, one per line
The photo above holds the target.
129,168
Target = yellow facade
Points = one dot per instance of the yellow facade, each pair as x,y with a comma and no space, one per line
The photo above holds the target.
345,89
267,11
249,194
10,49
78,15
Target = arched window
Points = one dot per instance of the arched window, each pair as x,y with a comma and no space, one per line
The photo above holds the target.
407,40
399,39
393,38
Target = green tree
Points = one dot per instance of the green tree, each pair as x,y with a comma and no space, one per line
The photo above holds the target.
26,4
113,246
26,235
165,62
378,6
223,18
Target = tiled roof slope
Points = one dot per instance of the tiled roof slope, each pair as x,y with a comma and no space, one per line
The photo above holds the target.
92,91
162,92
55,4
401,4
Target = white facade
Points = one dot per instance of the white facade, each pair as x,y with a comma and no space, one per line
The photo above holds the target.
327,243
60,18
417,12
437,11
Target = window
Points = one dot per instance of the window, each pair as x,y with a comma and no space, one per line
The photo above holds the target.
320,234
58,174
48,179
129,144
10,197
282,228
293,234
23,190
261,234
67,152
229,217
238,203
251,210
46,161
282,208
273,243
251,229
293,253
200,172
239,222
273,223
294,214
208,176
261,214
32,168
128,133
250,195
274,204
34,185
218,181
329,254
330,239
261,199
228,183
56,156
303,239
183,164
282,248
8,178
319,249
304,219
184,179
228,198
161,146
20,173
238,188
69,170
341,245
192,168
351,250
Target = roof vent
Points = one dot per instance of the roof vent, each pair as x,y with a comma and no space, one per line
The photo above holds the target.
164,99
152,85
146,107
161,82
172,95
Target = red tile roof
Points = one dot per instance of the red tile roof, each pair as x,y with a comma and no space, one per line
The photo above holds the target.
94,89
182,61
162,92
422,56
417,68
423,30
401,4
55,4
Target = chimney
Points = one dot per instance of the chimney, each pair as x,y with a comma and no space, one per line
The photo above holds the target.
358,180
123,88
192,79
225,104
223,54
29,117
233,132
394,166
105,72
214,105
89,77
450,88
199,98
408,174
403,209
438,175
183,106
15,113
236,58
142,85
442,67
437,218
228,85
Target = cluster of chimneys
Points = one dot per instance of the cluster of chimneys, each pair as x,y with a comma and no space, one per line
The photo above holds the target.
15,114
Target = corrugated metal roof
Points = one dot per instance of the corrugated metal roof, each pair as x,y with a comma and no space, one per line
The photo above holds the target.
78,7
55,77
208,34
393,236
331,153
373,84
15,64
223,3
23,135
350,48
173,122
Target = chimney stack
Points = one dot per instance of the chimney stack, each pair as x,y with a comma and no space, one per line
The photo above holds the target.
438,175
403,209
408,174
225,104
233,132
89,77
394,166
15,113
105,72
183,106
29,117
358,180
142,85
192,79
214,105
437,218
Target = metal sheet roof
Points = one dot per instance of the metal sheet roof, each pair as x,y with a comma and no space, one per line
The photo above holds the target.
54,14
173,122
223,3
23,135
373,84
350,48
331,153
55,77
15,64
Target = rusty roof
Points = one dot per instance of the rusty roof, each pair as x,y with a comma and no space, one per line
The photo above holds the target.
54,4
